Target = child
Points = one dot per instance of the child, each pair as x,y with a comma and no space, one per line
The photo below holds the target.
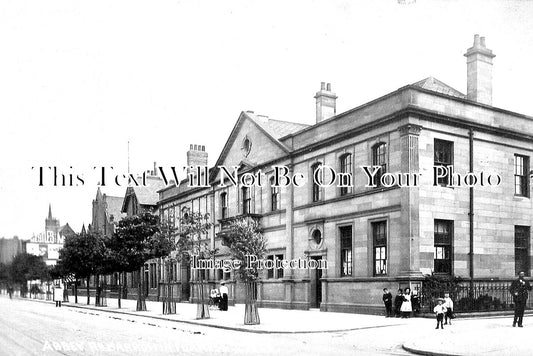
406,307
387,300
398,300
439,311
448,303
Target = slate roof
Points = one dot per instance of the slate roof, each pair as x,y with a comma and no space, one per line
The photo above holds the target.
277,128
114,207
147,195
436,85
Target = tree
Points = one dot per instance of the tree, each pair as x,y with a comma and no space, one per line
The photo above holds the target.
26,267
82,255
137,239
194,225
245,240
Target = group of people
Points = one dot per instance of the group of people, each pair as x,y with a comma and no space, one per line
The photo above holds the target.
405,303
220,297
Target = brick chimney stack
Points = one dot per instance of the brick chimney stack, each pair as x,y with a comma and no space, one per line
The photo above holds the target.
196,156
479,72
326,103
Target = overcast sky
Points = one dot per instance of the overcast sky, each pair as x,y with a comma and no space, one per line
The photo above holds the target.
78,79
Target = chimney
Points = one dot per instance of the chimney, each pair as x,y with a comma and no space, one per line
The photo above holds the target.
326,106
479,72
196,156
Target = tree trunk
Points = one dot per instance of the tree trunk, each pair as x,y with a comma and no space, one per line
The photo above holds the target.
88,291
119,296
141,300
251,313
97,290
76,291
202,309
169,305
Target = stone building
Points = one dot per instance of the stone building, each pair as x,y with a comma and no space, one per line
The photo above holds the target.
106,213
137,200
391,234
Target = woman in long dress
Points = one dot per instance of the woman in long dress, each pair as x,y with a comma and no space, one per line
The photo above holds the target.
406,308
58,293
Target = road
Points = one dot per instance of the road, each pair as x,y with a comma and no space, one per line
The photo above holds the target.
36,328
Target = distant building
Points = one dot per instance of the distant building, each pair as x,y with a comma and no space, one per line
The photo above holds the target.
107,212
9,248
48,243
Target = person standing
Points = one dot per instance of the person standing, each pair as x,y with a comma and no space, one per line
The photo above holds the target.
519,290
448,303
415,303
58,293
406,308
223,290
439,311
387,300
398,300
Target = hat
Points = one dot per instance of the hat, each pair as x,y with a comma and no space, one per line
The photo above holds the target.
441,299
222,283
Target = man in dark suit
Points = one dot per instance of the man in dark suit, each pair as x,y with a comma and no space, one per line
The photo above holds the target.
519,290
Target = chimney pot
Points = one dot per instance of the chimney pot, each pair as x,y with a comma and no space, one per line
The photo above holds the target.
482,40
328,87
476,40
322,85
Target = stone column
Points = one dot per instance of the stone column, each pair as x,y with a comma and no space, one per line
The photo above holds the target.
409,220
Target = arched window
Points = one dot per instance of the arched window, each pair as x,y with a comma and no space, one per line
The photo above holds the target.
224,205
274,196
317,190
317,236
379,158
246,200
346,170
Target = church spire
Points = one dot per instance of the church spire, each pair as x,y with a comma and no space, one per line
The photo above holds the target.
49,211
83,231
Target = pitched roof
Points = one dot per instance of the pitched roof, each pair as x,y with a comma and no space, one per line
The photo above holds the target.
276,128
147,195
436,85
114,207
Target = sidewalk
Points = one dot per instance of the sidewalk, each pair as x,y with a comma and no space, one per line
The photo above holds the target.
488,336
272,320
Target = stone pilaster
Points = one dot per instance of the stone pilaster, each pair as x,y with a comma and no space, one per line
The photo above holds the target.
410,223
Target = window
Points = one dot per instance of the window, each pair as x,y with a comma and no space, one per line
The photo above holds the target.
224,205
276,272
246,200
443,157
346,250
317,191
379,158
443,236
279,270
521,169
317,236
521,249
270,271
153,275
274,196
346,168
379,236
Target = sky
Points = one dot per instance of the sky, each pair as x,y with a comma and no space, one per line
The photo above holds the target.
81,79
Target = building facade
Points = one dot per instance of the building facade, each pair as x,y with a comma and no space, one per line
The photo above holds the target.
412,222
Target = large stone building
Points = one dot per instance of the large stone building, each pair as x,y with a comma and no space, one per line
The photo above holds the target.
107,212
386,235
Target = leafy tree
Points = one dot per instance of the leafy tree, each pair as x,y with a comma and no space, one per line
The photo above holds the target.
137,239
82,255
193,226
26,267
244,238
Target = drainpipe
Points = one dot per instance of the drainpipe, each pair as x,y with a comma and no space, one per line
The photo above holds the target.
471,211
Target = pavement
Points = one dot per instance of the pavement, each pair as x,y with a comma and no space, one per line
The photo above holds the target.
492,335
